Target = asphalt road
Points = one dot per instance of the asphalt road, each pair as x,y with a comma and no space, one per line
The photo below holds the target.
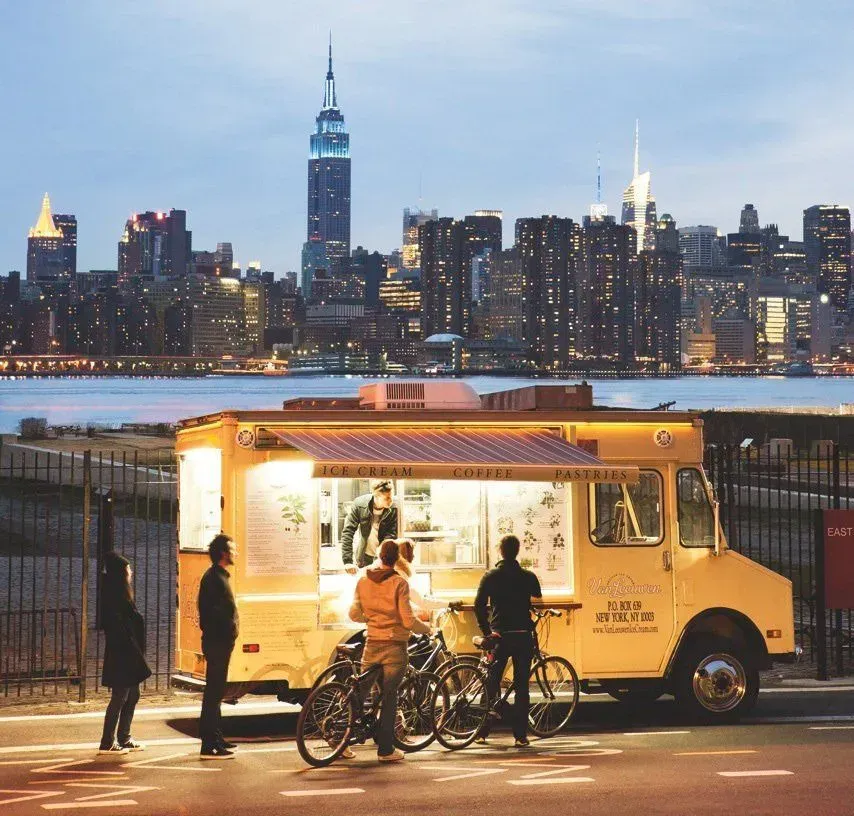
794,756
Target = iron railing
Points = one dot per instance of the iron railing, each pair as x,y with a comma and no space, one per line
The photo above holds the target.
60,511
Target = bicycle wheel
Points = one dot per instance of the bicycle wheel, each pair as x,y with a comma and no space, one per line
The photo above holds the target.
413,728
339,671
553,685
325,723
459,706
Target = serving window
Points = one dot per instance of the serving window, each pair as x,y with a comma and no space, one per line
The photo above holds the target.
627,515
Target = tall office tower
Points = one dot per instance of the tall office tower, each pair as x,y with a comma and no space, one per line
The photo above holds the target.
45,255
606,290
482,241
329,176
827,241
67,225
550,254
412,220
749,221
445,277
155,246
224,260
639,205
658,298
701,246
506,297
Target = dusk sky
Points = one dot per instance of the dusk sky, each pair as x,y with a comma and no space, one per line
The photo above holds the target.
206,105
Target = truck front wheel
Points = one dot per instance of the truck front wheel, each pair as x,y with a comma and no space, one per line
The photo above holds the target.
715,681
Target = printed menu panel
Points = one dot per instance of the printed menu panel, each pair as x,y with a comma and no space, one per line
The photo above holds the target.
538,514
281,520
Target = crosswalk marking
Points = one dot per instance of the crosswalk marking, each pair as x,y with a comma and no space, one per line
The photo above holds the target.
756,773
29,795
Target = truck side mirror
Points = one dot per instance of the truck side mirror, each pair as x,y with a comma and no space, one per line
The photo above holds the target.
716,514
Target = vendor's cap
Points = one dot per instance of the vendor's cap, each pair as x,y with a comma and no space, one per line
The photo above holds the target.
383,485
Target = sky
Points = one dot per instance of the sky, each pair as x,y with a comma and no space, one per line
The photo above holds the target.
114,106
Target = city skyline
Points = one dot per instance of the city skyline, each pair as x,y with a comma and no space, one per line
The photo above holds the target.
244,181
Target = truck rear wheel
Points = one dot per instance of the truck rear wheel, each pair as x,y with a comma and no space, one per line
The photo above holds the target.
715,681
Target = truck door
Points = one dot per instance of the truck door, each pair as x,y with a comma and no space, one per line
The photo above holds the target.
626,579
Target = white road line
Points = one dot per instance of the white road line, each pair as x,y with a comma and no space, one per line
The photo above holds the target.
29,761
652,733
756,773
471,774
323,792
805,690
143,762
553,780
555,771
78,805
796,720
185,768
830,728
276,750
228,711
30,795
58,769
713,753
90,746
113,790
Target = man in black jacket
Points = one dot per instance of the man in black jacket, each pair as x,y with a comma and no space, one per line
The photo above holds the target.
375,517
509,590
219,623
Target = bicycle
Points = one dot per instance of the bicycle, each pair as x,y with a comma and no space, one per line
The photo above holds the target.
337,714
460,703
439,658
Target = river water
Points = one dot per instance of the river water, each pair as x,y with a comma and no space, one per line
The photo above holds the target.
113,400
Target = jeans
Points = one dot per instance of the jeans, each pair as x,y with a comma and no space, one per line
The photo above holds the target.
119,713
392,656
518,646
217,657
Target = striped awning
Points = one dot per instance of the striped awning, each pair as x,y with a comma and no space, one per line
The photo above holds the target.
504,454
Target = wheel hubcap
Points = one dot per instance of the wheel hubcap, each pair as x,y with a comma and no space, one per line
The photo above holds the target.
720,682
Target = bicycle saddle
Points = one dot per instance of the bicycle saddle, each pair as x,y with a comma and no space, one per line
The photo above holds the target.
349,650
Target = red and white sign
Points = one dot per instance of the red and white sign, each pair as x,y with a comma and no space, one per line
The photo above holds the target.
839,559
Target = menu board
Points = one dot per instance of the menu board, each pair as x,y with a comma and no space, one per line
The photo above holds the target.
200,515
281,519
537,513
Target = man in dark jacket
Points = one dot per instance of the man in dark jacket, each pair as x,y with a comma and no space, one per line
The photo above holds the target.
375,517
509,590
219,623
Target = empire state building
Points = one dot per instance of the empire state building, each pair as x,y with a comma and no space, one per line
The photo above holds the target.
329,177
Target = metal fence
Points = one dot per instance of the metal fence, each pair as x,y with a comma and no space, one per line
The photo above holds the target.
768,497
59,512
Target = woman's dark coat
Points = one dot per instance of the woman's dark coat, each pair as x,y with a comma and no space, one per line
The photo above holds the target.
124,654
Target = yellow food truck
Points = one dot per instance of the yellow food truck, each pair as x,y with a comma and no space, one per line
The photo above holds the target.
612,508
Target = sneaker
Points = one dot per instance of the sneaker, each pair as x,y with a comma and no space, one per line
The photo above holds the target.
229,746
217,752
348,753
522,742
114,749
481,741
394,756
132,745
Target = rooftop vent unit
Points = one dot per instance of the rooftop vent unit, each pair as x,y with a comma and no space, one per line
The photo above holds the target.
430,395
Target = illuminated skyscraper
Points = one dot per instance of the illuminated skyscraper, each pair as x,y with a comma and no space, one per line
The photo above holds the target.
749,221
329,176
639,205
155,246
412,220
45,257
827,240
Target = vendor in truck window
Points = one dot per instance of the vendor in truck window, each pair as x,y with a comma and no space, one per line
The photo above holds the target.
375,517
